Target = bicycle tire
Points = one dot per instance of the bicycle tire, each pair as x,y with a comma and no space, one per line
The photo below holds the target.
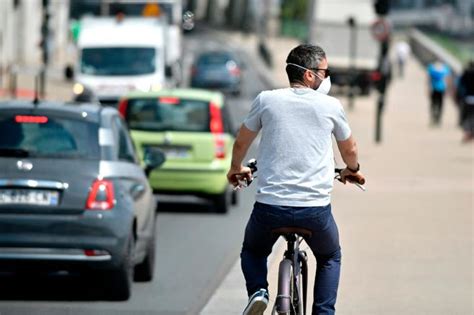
283,301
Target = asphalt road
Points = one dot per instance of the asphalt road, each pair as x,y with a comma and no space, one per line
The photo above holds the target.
195,247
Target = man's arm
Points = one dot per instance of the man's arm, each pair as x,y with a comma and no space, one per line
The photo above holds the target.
348,149
242,143
349,154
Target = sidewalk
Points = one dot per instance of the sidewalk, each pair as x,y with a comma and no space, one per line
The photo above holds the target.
57,89
408,240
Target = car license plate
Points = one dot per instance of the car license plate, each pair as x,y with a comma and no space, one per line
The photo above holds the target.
29,197
213,76
175,153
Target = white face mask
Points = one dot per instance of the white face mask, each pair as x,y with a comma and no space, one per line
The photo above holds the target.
325,86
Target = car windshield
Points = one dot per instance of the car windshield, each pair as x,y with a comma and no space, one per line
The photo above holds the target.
48,136
168,113
112,61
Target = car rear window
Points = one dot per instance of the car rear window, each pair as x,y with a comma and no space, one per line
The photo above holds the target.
48,136
214,59
168,113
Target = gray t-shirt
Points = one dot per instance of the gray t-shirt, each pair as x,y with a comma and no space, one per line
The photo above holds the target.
295,156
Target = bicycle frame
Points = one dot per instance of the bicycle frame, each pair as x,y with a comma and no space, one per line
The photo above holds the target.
290,299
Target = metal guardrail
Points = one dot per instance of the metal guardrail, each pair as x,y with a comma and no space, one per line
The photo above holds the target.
426,50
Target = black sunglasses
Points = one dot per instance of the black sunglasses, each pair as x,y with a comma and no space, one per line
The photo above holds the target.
327,73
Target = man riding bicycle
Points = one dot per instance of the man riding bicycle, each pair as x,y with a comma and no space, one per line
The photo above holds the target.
296,173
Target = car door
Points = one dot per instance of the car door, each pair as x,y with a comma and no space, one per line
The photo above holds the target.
135,184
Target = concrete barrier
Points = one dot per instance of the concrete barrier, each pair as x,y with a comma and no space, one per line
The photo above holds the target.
426,50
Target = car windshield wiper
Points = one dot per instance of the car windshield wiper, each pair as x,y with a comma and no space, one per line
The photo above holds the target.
14,152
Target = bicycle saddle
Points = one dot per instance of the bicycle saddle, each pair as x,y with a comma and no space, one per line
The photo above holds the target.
292,230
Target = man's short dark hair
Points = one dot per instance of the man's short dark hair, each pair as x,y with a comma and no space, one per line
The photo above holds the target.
307,56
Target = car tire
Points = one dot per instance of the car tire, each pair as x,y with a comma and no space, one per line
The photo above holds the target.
364,89
236,92
234,198
145,270
222,202
120,281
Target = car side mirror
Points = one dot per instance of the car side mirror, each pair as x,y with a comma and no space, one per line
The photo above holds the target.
169,71
153,158
69,72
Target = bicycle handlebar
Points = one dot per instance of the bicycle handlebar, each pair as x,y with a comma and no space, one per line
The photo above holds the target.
353,179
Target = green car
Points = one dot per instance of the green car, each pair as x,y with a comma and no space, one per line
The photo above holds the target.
192,127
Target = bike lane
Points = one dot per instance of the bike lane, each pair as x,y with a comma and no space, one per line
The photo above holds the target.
407,241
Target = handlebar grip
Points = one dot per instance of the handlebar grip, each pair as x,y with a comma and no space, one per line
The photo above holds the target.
356,179
351,178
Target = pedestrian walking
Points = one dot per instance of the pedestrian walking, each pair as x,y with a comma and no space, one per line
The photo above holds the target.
438,75
296,174
465,95
402,52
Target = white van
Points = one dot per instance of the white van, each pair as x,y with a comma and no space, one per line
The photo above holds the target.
117,56
333,34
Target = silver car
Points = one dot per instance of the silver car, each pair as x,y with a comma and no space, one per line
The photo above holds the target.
73,196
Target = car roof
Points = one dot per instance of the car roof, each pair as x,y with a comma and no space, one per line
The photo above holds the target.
93,111
216,52
195,94
108,32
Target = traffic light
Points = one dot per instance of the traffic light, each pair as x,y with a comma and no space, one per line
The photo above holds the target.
382,7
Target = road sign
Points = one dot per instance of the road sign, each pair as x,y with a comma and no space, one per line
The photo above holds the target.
380,30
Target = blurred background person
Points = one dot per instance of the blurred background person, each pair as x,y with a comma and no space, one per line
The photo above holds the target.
438,75
402,52
465,95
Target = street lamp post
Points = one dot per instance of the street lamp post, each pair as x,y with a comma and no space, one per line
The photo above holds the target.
311,21
44,47
352,57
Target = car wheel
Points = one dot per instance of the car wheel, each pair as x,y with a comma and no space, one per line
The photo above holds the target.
121,279
234,198
222,202
146,269
236,92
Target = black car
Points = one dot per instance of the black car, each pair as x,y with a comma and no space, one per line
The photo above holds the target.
73,196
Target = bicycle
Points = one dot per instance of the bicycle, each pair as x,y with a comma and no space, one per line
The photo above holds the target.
293,269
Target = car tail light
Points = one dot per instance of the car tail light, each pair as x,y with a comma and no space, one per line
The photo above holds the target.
95,252
217,128
169,100
101,196
375,76
219,146
28,119
234,70
215,125
122,107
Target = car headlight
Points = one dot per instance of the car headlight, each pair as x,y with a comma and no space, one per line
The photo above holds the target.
78,89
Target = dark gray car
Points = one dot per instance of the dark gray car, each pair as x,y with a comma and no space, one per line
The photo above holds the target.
72,194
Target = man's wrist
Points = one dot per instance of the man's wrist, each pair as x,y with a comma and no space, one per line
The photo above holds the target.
355,169
236,167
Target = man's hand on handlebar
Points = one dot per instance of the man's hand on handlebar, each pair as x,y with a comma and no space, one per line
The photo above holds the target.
240,177
351,177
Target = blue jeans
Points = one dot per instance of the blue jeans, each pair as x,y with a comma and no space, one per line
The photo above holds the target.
324,244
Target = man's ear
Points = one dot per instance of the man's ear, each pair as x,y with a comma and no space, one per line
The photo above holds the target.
309,76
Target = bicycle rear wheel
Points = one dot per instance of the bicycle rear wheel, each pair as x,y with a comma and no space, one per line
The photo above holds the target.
289,294
283,299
